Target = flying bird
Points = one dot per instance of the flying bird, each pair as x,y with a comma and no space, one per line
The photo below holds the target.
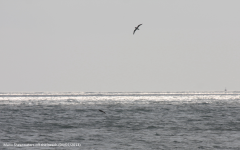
102,111
137,28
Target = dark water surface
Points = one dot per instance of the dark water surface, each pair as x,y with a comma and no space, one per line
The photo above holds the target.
181,120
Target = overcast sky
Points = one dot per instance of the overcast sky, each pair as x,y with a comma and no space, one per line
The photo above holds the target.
88,45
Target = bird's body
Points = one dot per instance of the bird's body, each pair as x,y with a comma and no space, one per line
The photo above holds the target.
137,28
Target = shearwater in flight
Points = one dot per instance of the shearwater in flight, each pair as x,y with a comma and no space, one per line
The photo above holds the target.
102,111
137,28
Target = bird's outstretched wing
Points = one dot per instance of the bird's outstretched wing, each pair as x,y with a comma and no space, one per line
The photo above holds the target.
134,30
139,25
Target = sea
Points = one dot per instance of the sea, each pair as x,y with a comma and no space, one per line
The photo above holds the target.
187,120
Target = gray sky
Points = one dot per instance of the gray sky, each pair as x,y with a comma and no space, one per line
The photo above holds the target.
88,45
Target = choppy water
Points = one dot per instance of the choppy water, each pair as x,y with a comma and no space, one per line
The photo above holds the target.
181,120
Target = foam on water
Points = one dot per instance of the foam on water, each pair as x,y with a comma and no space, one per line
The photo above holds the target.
154,120
114,97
